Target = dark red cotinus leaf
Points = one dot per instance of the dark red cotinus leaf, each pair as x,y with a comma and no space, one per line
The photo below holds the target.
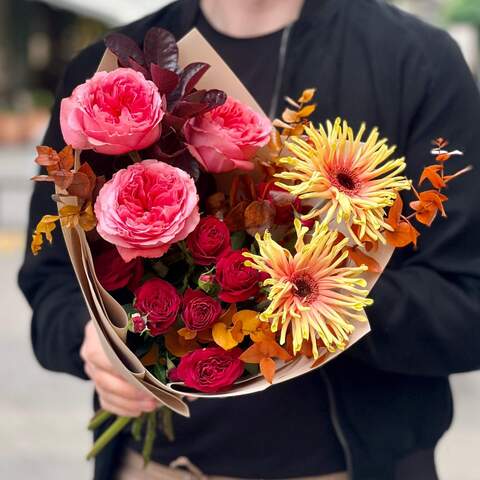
161,49
214,98
189,77
186,110
139,68
124,48
165,80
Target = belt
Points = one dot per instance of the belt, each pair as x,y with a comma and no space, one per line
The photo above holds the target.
182,469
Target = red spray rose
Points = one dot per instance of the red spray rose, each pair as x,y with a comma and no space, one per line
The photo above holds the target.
237,281
208,241
200,311
114,273
159,301
209,370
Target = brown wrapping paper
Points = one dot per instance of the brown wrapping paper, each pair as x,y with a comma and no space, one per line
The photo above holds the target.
109,317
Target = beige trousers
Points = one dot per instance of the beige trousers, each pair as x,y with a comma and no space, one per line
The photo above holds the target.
181,469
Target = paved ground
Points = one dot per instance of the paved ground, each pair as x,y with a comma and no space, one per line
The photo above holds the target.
43,415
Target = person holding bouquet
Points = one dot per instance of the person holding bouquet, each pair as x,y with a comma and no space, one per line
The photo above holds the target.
377,411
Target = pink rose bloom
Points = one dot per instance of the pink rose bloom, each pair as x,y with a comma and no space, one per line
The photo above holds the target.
227,137
147,207
112,113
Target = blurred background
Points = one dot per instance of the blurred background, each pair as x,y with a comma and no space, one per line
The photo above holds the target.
42,433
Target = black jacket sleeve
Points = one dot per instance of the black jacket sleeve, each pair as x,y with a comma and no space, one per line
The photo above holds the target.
426,315
48,280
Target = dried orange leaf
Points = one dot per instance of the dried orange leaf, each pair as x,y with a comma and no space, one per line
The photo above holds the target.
87,220
177,345
320,360
307,95
395,212
187,334
292,102
360,258
267,368
403,235
151,357
228,314
80,186
431,173
44,227
259,217
290,116
67,158
306,111
252,354
280,124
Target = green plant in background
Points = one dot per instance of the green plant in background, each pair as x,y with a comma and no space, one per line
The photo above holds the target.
465,11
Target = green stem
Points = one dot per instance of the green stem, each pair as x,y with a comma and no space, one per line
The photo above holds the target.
137,427
167,423
115,428
149,437
98,419
135,156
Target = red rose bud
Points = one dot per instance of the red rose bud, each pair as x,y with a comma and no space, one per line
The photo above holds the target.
200,311
138,322
237,281
209,370
285,204
208,241
160,303
114,273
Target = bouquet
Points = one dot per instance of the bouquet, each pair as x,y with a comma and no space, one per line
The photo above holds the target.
220,253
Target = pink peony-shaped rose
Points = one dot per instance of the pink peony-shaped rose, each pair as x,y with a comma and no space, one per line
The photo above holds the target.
112,113
147,207
227,137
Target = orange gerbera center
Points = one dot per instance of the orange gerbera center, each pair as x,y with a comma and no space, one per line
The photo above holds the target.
305,288
345,180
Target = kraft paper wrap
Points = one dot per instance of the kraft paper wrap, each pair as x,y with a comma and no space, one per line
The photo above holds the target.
109,317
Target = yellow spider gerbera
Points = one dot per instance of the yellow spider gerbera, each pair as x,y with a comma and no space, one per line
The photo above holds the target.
312,293
350,179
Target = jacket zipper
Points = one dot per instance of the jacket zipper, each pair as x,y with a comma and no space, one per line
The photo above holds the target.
282,57
336,424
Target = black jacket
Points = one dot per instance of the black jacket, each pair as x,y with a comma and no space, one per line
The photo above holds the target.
370,62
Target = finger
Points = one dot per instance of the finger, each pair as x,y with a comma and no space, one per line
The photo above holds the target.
123,406
118,386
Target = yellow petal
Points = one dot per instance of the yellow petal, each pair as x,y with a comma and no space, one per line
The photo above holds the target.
222,336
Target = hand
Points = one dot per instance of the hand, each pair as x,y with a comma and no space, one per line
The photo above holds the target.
116,394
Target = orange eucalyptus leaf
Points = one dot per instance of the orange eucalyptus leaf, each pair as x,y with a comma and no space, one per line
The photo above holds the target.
267,369
403,235
307,95
151,357
87,220
319,360
177,345
67,158
187,334
259,217
290,116
395,212
360,258
307,111
431,173
227,315
252,354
